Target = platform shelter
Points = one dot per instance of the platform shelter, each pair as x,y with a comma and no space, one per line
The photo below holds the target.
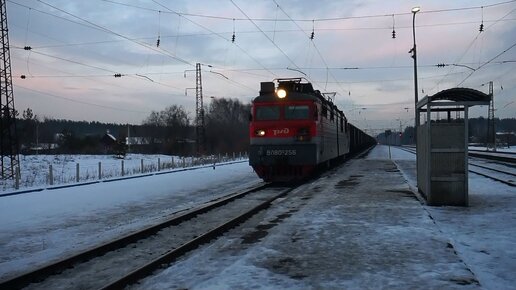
442,145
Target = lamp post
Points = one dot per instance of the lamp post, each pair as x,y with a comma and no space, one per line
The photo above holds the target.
414,56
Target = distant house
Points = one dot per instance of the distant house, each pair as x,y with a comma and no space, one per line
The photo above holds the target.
131,141
109,142
505,139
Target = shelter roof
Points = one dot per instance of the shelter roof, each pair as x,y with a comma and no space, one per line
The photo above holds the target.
456,96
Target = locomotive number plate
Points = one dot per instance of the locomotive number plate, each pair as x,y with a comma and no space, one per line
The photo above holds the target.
281,152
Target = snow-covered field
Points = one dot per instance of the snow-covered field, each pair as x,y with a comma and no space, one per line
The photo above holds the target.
48,170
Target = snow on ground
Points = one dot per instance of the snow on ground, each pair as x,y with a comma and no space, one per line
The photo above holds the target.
482,233
46,225
40,226
35,169
510,149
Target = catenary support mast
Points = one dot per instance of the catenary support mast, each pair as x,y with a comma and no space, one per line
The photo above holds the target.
9,141
491,132
199,111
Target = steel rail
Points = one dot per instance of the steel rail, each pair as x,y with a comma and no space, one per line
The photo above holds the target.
493,169
494,178
509,156
43,272
481,174
172,255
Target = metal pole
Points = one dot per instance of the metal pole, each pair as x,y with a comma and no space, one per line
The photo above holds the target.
414,56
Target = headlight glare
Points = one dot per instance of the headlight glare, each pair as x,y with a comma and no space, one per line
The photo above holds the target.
281,93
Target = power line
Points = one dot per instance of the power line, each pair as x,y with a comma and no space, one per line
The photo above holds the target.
115,73
161,51
469,47
485,63
315,46
217,34
258,27
256,31
229,18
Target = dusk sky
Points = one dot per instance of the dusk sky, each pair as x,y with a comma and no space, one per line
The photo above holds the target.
78,46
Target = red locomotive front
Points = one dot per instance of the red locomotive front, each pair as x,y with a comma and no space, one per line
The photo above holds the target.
288,135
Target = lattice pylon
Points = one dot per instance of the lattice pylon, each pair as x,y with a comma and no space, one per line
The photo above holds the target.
9,141
199,111
491,130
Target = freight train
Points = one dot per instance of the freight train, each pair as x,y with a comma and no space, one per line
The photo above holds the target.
295,129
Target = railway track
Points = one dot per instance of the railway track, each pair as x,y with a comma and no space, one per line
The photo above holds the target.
126,260
508,177
509,157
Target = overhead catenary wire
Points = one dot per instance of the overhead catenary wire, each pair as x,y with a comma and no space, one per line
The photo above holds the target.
459,59
265,34
230,18
114,73
486,63
161,51
315,46
215,33
256,31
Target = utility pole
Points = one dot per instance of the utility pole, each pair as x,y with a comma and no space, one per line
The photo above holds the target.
128,139
414,56
9,141
491,132
199,111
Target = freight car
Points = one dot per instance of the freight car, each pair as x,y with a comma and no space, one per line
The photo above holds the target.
294,130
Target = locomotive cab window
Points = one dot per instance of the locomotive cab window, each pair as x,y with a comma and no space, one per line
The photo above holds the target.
297,112
267,113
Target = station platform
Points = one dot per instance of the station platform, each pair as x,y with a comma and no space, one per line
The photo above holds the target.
361,227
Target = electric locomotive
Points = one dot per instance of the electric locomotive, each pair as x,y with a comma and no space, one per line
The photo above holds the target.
293,130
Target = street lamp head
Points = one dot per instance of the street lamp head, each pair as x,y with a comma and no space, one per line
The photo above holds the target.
416,9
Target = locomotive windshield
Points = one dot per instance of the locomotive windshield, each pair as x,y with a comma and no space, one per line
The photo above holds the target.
296,112
267,113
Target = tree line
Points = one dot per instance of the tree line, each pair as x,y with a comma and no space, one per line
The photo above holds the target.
169,131
172,131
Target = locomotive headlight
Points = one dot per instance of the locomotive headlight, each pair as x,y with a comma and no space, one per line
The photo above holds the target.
281,93
259,133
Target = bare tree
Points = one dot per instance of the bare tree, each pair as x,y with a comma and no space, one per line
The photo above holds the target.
227,122
169,128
